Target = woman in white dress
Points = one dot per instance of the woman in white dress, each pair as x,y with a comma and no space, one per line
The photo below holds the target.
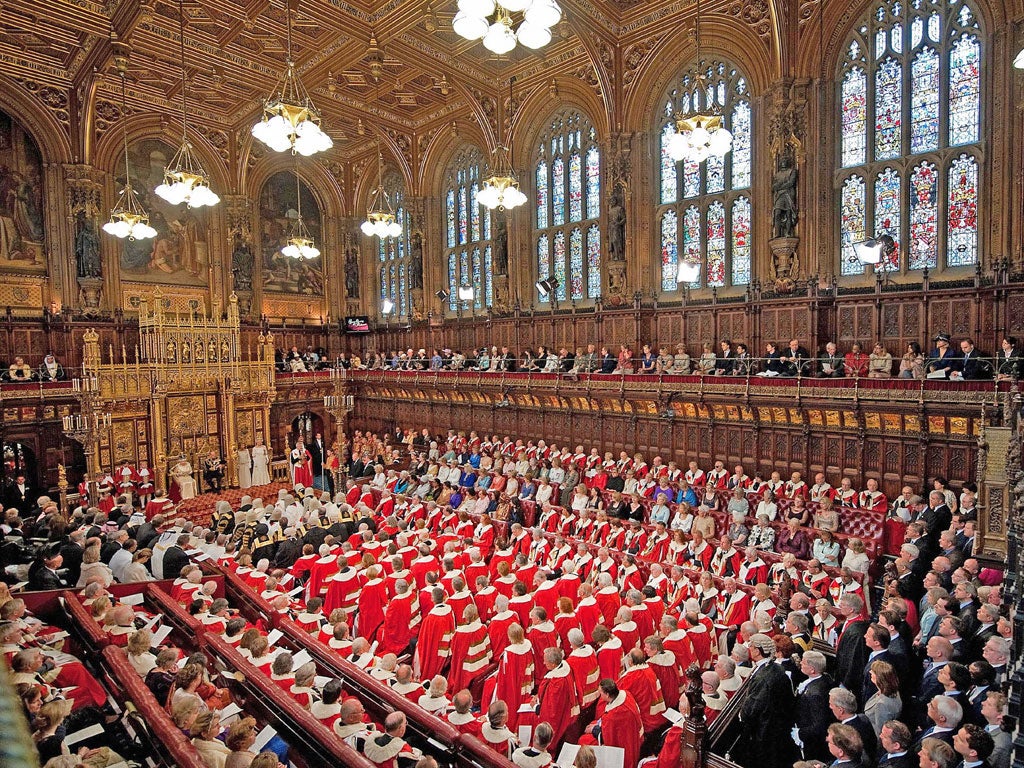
244,468
182,474
260,464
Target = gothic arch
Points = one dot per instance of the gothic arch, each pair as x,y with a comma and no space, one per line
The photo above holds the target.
440,151
534,115
726,38
321,182
110,148
46,131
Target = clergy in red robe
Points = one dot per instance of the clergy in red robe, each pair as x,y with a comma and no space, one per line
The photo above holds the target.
434,646
343,591
618,723
639,680
559,704
471,650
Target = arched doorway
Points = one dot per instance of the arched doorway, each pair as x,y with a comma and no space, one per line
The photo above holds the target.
20,459
306,426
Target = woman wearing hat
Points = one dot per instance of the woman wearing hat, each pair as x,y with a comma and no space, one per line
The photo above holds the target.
943,357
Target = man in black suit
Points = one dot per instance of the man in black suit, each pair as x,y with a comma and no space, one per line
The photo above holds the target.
1008,360
895,740
939,652
944,716
974,745
851,653
175,558
966,594
766,712
987,616
71,552
21,495
937,517
507,362
608,361
844,744
42,574
725,362
956,680
973,366
830,364
844,707
318,451
813,716
794,359
877,639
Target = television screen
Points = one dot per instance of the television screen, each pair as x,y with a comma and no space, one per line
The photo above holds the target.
357,324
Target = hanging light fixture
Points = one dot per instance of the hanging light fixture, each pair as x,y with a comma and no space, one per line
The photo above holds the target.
300,244
128,218
380,216
501,190
185,181
290,121
503,23
699,136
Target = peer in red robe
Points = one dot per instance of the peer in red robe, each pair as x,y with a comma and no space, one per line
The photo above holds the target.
559,701
583,662
497,630
471,651
514,680
620,724
639,679
342,592
434,646
401,624
370,605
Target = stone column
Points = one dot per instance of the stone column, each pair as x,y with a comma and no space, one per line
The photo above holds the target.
417,236
621,217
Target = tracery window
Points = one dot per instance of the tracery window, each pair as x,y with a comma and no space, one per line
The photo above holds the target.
468,228
704,212
910,130
393,253
567,240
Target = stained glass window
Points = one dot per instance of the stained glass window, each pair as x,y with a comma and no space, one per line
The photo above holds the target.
716,244
854,103
575,187
465,267
393,253
489,284
594,260
962,240
669,250
705,212
888,110
887,211
741,267
692,239
593,183
910,92
568,180
558,259
667,166
543,265
576,264
853,223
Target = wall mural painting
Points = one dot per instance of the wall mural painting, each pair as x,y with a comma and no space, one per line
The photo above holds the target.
22,231
278,215
179,254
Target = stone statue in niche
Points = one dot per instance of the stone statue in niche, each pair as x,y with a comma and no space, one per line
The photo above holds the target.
242,261
416,261
784,213
500,245
617,225
87,246
352,273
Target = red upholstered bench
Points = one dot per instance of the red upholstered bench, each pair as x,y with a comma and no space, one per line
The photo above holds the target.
178,745
92,633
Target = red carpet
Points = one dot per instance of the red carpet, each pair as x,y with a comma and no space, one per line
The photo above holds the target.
200,509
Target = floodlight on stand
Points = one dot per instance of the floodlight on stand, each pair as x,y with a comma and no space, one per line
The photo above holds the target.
442,295
290,120
386,306
547,286
185,180
128,219
689,271
875,249
1018,60
465,293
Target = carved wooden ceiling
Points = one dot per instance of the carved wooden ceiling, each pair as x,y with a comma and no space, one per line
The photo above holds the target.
363,61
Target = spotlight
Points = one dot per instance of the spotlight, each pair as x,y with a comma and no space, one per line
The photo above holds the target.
386,306
442,295
546,286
